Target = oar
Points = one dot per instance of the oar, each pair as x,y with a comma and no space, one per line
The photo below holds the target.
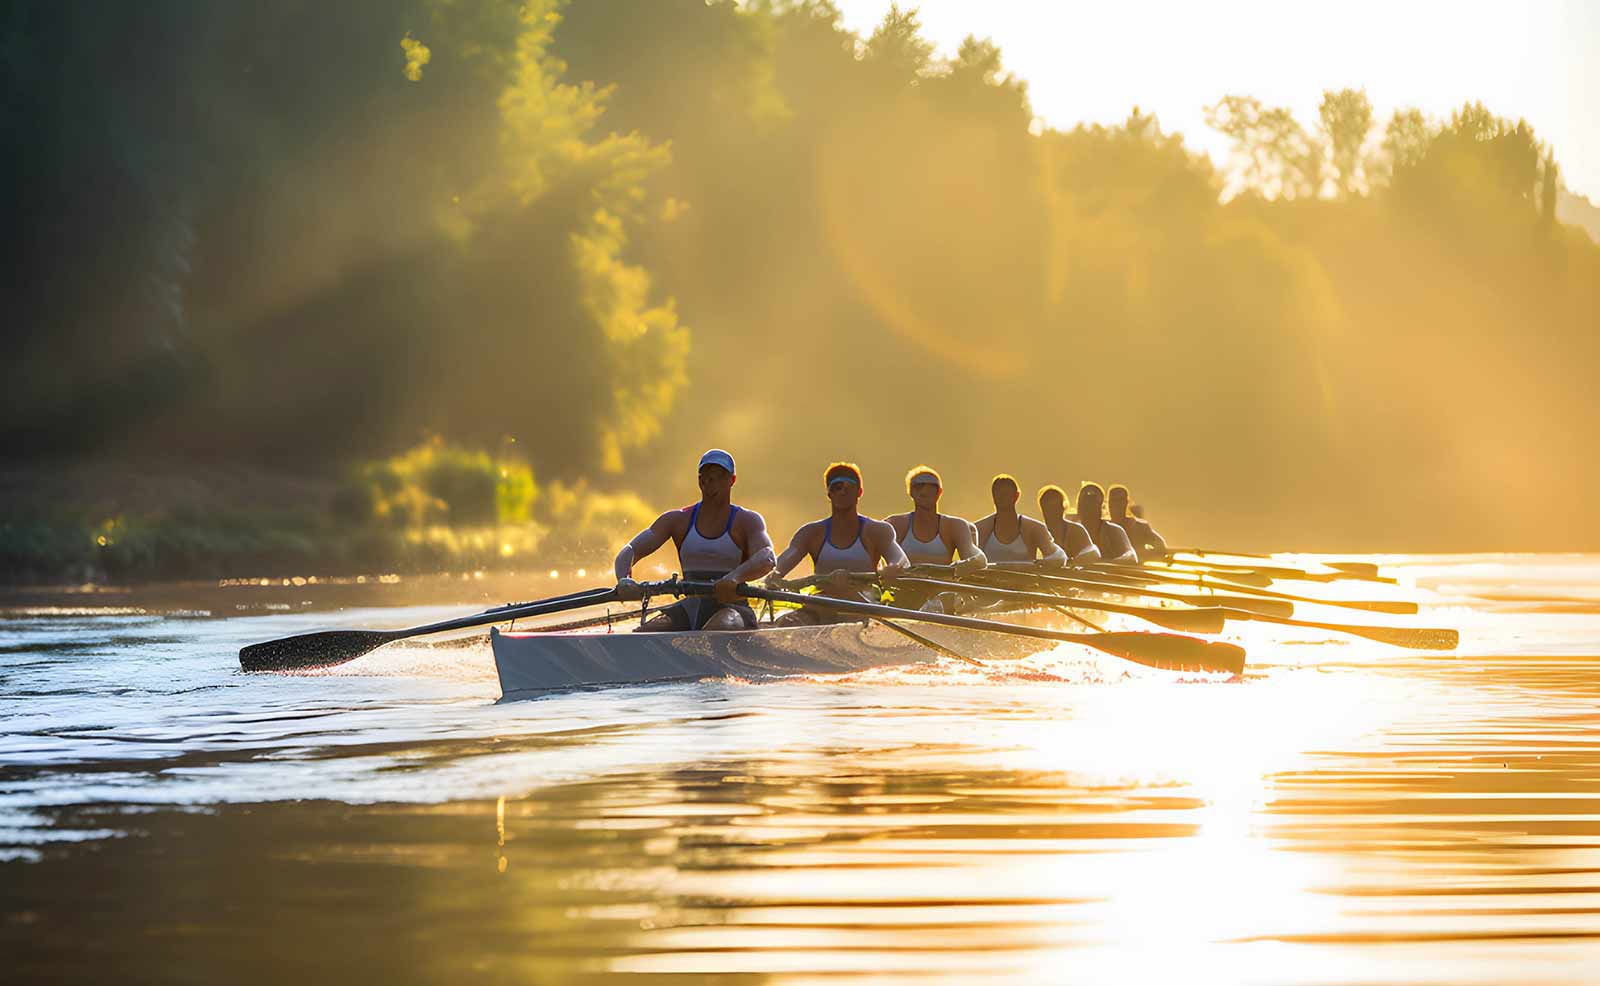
1208,620
1398,607
325,648
1415,638
932,645
1356,569
1282,572
1267,607
1156,650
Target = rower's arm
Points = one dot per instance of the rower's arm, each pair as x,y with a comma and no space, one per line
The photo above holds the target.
1037,536
889,551
1080,546
799,547
972,557
644,544
1119,538
1155,544
759,545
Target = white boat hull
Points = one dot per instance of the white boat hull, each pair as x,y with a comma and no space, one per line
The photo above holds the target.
530,664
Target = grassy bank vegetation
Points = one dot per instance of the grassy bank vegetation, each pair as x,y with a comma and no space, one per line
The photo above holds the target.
434,507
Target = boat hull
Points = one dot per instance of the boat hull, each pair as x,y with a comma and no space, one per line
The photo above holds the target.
531,664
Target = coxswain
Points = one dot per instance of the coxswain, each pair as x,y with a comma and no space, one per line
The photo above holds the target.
1146,542
1072,536
840,545
1108,537
717,542
1006,535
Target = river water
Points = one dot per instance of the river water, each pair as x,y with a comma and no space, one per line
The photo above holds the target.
1346,813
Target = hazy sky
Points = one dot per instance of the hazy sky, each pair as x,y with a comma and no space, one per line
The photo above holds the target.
1092,61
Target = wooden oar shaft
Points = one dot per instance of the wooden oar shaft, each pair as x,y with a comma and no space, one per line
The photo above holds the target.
1416,638
1206,620
326,648
1273,607
1202,581
1162,650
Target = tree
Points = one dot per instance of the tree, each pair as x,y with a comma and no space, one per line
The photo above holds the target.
897,50
1346,122
1273,155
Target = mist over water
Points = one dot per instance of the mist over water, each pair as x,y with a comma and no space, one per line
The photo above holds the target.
1346,813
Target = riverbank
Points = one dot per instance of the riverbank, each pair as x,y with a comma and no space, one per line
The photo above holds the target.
125,523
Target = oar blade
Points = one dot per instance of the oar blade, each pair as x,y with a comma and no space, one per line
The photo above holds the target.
1361,569
1209,620
307,651
1412,638
1170,652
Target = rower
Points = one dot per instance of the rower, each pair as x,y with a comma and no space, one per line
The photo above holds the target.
842,544
1029,538
1108,537
716,541
1146,542
1072,536
929,537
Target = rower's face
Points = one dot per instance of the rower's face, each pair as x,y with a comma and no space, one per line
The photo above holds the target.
1053,505
925,496
1118,502
1005,496
843,492
716,481
1089,504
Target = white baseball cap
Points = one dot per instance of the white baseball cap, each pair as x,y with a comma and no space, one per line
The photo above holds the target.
717,457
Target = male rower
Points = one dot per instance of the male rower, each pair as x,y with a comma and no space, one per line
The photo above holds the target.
1006,535
1072,536
1146,542
840,545
1108,537
716,541
929,537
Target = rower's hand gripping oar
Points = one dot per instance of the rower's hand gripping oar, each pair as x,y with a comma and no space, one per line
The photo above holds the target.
1157,650
325,648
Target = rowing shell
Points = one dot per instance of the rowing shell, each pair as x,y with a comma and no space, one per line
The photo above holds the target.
533,663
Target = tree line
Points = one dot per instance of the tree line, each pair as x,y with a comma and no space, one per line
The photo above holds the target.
620,230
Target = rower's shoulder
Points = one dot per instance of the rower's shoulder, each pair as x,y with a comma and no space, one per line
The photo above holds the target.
1033,524
950,522
810,531
881,527
675,520
898,521
749,519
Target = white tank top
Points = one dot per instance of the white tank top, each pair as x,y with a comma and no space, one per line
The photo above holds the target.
854,558
703,557
1014,550
934,552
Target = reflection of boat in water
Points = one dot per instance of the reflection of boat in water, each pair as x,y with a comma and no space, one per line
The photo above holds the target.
531,663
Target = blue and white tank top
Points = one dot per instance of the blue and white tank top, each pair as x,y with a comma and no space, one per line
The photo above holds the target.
709,558
852,558
934,552
1014,550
